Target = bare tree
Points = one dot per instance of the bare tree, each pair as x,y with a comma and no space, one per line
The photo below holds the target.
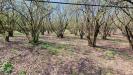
31,16
59,22
94,20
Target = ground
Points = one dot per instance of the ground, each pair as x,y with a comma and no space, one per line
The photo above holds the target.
111,57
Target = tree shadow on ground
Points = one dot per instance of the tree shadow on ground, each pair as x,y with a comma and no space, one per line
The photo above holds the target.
118,40
126,52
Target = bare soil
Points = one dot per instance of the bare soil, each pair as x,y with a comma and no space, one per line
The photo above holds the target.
75,59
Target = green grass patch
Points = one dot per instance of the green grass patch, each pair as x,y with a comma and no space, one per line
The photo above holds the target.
52,48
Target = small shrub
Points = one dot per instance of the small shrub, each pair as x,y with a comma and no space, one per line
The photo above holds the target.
22,72
7,67
110,54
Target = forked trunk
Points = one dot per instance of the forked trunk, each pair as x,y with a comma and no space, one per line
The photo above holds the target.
60,35
93,38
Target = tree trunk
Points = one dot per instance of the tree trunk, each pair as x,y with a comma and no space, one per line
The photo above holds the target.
7,39
10,33
28,37
97,27
129,36
60,35
105,32
48,32
104,37
89,41
75,33
81,34
42,33
35,38
7,36
92,35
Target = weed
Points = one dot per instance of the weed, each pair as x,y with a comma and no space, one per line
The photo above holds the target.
109,73
22,72
46,46
74,73
7,67
61,46
52,49
99,49
110,54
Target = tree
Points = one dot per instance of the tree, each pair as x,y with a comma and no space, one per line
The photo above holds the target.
31,16
107,27
60,22
94,20
7,21
125,17
127,27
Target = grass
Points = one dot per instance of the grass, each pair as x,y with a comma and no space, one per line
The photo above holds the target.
99,49
22,72
108,71
126,55
18,33
117,40
53,48
110,54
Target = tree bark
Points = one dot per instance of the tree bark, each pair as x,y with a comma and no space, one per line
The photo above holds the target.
7,39
129,36
34,38
10,33
60,35
42,33
97,27
81,34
